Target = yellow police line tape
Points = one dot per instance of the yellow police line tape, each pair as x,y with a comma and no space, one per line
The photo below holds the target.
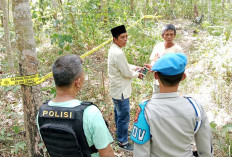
33,80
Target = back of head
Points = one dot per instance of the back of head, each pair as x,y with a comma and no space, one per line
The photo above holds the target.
66,69
169,27
170,68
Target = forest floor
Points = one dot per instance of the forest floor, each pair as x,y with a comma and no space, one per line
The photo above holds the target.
191,41
199,85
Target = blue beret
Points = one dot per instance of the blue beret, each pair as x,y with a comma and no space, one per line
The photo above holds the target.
170,64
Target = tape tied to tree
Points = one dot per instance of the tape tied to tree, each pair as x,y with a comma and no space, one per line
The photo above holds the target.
19,80
33,80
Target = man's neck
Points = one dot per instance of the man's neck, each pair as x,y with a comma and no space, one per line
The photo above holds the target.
64,95
117,45
168,44
168,89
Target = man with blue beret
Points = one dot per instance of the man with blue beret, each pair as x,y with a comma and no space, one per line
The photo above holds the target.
166,125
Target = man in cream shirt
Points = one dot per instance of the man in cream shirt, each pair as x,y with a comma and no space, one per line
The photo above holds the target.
121,74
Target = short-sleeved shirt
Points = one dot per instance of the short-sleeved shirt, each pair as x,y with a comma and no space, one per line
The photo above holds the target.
94,126
159,50
172,120
120,73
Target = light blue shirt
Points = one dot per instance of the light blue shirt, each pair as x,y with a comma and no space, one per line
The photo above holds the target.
94,126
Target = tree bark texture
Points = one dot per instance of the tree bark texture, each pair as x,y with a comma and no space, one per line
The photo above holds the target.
203,7
223,6
132,5
195,10
172,7
104,11
156,7
28,63
1,17
209,10
5,11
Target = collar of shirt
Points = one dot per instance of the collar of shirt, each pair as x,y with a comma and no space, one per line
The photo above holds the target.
68,104
115,45
166,95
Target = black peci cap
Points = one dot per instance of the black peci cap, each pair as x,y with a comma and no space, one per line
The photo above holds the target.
118,30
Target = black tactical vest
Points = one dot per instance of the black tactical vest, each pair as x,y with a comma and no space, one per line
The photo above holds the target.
62,131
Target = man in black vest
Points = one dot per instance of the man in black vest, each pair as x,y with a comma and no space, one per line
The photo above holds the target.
68,126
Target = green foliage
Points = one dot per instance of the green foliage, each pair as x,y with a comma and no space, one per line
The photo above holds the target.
12,134
17,147
222,138
62,40
75,27
11,88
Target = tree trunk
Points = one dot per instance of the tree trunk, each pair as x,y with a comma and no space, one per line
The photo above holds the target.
145,7
171,4
203,7
132,6
7,35
156,7
1,16
195,10
223,6
28,64
145,12
209,10
54,5
104,11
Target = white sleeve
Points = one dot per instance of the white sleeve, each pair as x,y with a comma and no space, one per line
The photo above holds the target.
153,54
132,67
124,67
179,49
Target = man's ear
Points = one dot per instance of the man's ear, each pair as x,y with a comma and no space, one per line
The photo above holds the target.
114,38
183,77
77,82
156,75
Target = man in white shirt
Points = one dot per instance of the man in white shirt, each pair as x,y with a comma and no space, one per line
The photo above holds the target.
121,74
168,46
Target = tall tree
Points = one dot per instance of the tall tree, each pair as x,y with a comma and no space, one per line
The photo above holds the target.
28,64
156,7
1,17
209,10
171,4
132,5
103,10
223,7
203,7
5,11
195,9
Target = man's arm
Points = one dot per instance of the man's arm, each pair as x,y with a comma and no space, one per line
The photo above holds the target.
124,67
106,152
142,150
204,137
100,134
